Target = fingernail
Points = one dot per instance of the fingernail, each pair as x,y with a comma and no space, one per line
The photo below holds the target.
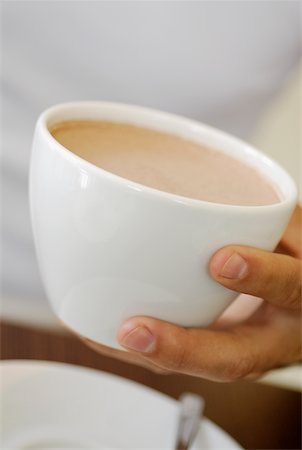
234,267
140,339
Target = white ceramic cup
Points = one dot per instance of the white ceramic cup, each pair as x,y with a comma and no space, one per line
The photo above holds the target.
109,248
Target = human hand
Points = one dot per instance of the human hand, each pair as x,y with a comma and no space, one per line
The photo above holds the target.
229,350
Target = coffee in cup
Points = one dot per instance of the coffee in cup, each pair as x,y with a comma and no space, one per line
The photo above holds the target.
166,162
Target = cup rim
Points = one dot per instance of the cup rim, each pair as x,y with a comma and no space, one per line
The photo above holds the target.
43,122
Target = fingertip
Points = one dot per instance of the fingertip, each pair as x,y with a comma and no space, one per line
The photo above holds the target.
218,261
229,264
126,327
135,335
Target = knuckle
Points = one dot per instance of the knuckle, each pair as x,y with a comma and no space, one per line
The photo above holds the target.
178,360
239,369
293,301
292,294
176,357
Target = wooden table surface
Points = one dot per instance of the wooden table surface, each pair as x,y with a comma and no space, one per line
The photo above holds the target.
256,415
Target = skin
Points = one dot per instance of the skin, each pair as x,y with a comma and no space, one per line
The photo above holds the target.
251,338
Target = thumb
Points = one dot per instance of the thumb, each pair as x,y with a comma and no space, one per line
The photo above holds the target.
219,356
271,276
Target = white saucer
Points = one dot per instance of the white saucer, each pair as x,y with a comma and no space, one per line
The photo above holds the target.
53,405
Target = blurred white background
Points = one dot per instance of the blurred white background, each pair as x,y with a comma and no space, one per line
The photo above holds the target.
221,62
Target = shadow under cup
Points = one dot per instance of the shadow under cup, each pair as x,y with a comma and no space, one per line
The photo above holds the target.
109,248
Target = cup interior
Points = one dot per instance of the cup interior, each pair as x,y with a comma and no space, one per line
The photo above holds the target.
179,126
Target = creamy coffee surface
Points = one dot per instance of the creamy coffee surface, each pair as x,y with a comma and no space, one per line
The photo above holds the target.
165,162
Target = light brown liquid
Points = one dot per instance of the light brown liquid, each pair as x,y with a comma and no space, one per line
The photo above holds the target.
165,162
